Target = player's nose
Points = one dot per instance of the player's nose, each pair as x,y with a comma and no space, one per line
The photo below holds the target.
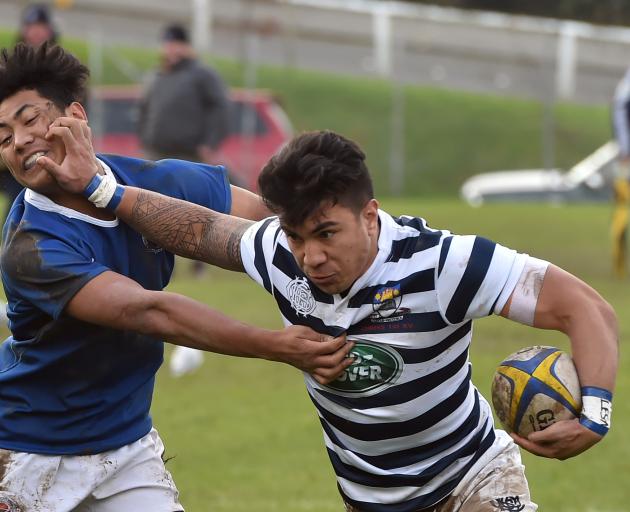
314,254
22,139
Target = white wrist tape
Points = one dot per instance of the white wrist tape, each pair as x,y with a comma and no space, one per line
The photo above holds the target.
596,409
527,290
104,192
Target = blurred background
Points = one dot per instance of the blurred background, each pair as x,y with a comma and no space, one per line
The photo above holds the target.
423,87
457,104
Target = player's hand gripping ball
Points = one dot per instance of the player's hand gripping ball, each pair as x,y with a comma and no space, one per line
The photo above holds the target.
535,387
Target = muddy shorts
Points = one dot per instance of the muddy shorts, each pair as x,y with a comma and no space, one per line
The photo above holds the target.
500,486
131,478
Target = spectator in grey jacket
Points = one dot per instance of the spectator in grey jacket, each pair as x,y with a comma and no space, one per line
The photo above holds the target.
184,113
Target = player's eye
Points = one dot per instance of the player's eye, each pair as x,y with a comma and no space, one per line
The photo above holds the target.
31,120
5,140
326,234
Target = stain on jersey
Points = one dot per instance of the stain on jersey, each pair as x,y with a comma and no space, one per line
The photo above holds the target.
22,260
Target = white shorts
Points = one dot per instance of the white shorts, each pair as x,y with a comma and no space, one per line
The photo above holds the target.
131,478
501,485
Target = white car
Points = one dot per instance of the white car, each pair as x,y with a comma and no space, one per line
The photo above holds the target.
589,180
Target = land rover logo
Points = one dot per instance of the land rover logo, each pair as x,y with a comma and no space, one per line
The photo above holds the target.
375,367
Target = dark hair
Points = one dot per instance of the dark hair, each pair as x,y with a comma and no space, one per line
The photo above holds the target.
175,33
48,69
314,168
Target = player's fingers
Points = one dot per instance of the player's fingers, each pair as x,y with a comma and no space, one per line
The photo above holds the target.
301,331
320,378
333,346
329,344
340,357
333,362
343,354
559,431
87,131
327,375
531,447
79,129
542,437
73,124
343,351
64,133
49,165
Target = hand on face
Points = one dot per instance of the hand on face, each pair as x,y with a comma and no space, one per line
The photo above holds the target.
79,164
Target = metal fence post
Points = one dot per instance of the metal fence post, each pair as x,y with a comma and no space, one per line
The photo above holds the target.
201,25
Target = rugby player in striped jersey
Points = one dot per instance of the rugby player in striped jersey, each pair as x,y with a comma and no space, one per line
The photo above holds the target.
404,427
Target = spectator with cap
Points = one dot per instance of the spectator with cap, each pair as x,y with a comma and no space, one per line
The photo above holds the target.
37,26
184,111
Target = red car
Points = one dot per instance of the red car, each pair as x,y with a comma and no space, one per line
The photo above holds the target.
259,127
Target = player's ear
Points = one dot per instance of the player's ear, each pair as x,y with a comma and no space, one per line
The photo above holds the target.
370,214
76,110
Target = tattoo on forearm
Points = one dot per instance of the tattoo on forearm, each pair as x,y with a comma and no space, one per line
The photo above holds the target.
190,230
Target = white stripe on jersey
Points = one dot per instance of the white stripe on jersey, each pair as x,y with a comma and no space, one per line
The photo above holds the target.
434,433
411,469
405,423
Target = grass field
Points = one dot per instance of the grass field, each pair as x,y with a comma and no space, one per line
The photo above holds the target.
244,435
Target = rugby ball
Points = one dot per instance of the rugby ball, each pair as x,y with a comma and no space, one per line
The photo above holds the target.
535,387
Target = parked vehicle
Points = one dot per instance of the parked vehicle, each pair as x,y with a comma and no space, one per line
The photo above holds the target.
259,127
588,180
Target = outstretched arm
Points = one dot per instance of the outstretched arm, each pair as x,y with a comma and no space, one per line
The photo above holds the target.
113,300
567,304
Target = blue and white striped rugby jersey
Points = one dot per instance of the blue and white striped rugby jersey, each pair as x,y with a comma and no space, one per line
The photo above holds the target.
404,424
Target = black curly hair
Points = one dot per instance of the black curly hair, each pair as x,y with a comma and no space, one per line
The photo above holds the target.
48,69
312,169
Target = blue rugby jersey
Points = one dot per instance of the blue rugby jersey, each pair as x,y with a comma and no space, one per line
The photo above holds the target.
404,425
66,386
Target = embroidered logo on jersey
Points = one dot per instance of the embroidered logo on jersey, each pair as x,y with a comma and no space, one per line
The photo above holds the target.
509,503
375,367
300,295
151,247
387,305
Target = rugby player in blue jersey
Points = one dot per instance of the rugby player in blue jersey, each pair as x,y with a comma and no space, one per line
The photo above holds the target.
87,314
405,428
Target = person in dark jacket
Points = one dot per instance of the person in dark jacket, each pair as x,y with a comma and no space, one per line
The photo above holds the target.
37,26
184,111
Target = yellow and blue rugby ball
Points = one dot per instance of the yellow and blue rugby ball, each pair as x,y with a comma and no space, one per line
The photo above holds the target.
535,387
